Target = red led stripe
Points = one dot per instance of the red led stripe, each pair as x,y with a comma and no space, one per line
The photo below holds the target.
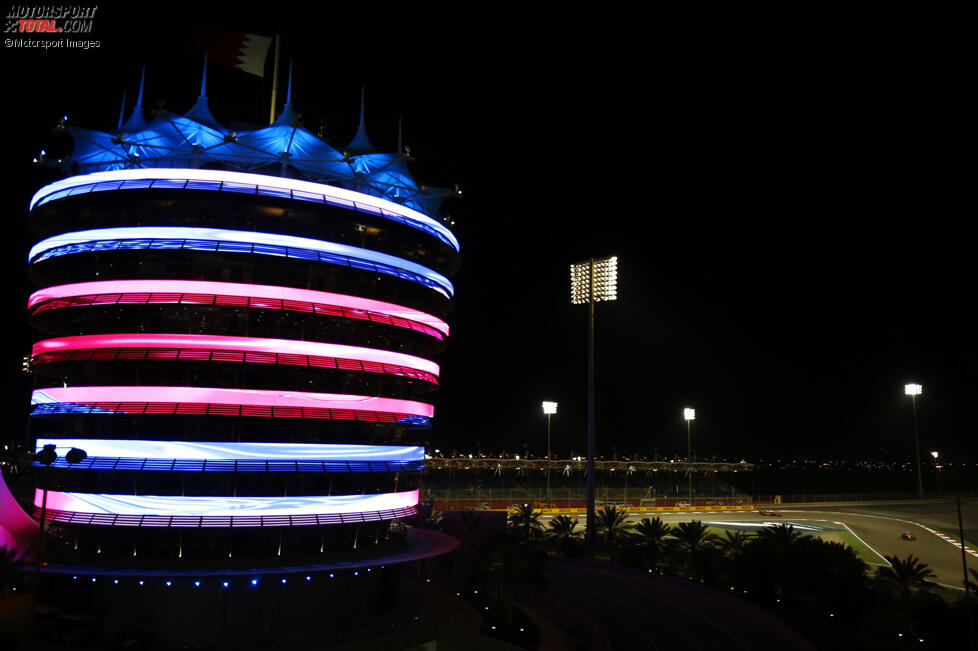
158,298
256,411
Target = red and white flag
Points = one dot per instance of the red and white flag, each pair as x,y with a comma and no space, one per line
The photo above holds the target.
246,52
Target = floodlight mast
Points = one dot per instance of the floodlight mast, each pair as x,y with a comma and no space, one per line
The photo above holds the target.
690,416
914,390
549,408
592,281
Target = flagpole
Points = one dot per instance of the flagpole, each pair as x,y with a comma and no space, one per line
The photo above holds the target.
271,113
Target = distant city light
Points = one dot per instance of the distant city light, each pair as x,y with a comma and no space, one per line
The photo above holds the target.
549,407
689,414
934,454
602,287
913,389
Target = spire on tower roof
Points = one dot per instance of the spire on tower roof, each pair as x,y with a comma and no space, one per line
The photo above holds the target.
122,109
200,112
137,121
288,116
361,143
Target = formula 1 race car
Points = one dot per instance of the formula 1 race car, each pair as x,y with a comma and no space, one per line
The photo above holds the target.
770,514
908,536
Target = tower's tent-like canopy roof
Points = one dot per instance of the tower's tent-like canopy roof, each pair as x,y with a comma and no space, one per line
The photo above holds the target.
283,148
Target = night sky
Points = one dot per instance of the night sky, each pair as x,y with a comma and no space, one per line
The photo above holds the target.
788,196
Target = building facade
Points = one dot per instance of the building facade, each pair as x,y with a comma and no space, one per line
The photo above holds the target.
237,340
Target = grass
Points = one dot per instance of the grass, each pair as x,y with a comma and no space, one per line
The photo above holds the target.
832,533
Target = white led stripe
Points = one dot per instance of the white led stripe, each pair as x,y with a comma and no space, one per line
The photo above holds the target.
224,176
247,237
211,450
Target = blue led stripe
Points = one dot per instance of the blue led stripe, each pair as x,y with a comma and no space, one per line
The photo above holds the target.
227,181
176,237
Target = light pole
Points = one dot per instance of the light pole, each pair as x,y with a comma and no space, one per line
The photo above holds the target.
549,408
592,281
914,390
690,416
937,470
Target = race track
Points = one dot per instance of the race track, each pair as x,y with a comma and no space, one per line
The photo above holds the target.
878,526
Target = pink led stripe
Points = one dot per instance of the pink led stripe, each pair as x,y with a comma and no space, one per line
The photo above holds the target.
244,290
225,521
231,397
241,344
232,356
175,505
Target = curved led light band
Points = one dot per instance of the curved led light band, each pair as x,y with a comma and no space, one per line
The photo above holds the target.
176,505
270,292
328,193
242,344
177,233
234,397
208,450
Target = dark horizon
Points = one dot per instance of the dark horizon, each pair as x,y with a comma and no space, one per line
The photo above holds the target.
784,196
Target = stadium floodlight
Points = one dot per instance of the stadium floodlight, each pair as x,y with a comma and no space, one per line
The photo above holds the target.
914,390
689,415
549,408
592,281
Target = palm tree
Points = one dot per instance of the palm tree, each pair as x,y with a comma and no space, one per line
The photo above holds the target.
528,519
692,541
613,525
693,537
563,526
562,534
732,543
652,534
910,580
781,536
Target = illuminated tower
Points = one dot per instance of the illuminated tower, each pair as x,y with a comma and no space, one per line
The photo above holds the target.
238,329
